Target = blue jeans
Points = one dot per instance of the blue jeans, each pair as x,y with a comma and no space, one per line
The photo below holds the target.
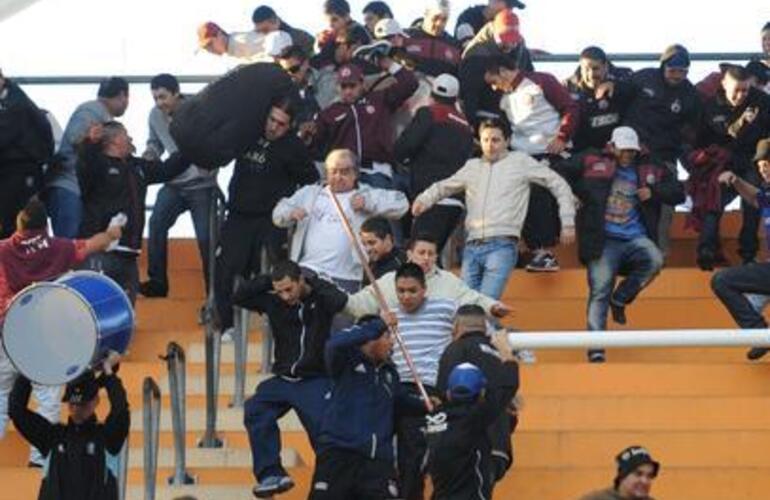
487,265
65,210
733,287
169,205
273,399
641,261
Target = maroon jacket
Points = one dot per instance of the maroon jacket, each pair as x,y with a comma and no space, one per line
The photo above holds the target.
365,127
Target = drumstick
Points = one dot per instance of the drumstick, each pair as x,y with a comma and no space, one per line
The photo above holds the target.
380,298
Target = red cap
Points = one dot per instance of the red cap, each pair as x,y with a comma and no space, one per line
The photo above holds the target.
506,26
350,73
207,32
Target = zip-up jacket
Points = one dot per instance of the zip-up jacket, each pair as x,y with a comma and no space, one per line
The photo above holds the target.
592,173
736,128
300,331
660,112
365,127
433,55
458,457
437,142
497,194
598,117
267,172
111,185
539,110
77,454
359,415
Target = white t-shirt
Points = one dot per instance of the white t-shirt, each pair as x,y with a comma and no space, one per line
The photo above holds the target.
326,249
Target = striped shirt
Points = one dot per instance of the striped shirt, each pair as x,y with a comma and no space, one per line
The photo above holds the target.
426,333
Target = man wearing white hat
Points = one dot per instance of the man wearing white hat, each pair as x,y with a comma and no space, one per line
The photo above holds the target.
434,146
621,193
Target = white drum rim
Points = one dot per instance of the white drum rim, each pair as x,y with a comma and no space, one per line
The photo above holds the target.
53,284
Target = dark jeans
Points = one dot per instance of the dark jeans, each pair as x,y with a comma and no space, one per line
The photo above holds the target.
542,225
642,260
65,210
440,222
15,192
272,400
412,447
730,286
239,254
169,205
347,475
121,267
708,239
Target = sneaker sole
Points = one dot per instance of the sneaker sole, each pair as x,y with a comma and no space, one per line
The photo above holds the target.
273,492
542,269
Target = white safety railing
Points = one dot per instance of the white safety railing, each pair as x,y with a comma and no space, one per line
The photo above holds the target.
640,338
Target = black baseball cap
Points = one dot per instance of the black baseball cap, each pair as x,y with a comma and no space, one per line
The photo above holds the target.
631,459
81,390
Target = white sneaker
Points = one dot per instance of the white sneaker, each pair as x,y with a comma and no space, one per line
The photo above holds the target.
228,336
526,356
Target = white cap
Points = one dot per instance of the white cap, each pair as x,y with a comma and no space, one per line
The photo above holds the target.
387,27
625,138
445,85
434,6
276,42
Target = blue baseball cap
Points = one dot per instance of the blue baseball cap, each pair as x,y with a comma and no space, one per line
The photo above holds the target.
466,381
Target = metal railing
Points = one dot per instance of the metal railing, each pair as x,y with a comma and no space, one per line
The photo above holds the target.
151,420
640,338
241,352
122,478
177,382
212,340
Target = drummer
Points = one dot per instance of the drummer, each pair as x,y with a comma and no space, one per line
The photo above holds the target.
28,256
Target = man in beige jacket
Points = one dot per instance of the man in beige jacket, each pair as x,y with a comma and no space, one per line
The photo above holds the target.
497,188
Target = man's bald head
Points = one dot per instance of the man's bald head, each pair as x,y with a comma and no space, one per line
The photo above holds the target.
469,318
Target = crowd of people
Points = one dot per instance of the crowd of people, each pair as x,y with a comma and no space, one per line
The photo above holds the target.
390,138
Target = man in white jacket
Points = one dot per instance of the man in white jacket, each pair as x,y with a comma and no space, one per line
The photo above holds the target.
497,188
320,242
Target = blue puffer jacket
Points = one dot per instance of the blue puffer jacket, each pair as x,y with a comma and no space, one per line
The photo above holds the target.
359,416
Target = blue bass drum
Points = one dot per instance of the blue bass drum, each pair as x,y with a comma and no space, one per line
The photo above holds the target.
54,331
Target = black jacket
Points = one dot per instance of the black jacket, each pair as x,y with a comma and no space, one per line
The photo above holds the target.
110,185
459,449
391,262
476,348
268,172
26,140
598,117
300,331
736,128
434,146
77,453
660,113
433,55
591,175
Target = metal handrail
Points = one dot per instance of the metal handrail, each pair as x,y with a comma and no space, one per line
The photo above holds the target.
122,479
177,380
536,56
241,348
151,428
212,337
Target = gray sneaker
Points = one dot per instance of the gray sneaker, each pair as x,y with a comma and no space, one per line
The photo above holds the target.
273,485
543,262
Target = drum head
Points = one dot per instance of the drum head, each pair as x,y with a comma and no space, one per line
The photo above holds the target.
49,334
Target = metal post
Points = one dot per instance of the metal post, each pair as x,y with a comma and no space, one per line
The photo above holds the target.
241,347
267,333
151,414
123,470
177,381
212,336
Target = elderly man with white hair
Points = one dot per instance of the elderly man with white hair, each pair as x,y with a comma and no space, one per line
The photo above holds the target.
320,242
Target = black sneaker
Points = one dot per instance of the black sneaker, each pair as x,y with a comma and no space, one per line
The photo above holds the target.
153,289
374,51
618,313
596,356
756,352
706,259
543,262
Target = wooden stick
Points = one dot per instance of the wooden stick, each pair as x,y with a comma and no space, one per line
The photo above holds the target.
380,298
